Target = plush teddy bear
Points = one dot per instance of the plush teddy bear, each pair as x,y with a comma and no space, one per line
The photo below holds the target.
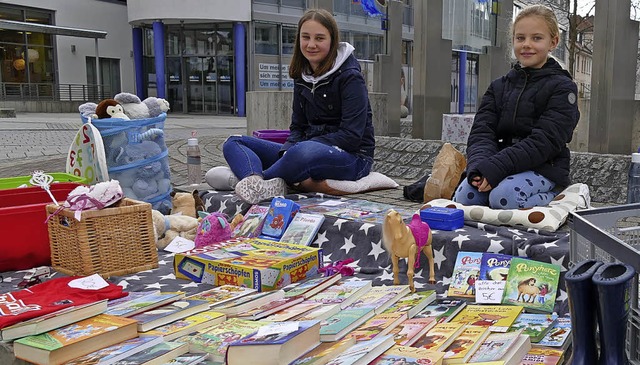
183,203
168,227
110,108
136,109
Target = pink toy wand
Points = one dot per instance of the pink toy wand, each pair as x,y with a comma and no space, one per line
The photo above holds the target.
44,181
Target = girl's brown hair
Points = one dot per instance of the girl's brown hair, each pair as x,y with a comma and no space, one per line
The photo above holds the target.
543,12
299,63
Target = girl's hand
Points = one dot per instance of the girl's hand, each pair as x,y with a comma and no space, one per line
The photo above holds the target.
481,184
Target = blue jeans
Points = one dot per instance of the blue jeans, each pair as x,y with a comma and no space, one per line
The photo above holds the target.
248,156
524,190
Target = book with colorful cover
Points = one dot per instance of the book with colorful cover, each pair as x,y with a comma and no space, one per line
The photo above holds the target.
222,294
280,214
214,340
112,354
303,229
168,313
465,273
158,354
310,287
543,356
535,325
409,331
494,266
143,303
188,359
495,346
443,309
363,352
532,284
295,310
440,336
275,343
129,297
325,352
251,225
344,292
190,324
320,313
343,322
380,297
559,336
378,325
270,308
412,303
248,302
74,340
409,355
497,317
463,346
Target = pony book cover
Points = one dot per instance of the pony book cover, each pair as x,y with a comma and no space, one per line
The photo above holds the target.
532,284
465,273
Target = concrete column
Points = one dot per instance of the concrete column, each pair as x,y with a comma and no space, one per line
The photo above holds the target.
387,68
158,49
240,65
137,62
323,4
496,61
615,48
432,70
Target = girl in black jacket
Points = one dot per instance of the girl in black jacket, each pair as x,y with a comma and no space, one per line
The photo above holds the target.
331,125
517,154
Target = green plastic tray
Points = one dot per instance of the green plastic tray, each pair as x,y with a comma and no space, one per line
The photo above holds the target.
14,182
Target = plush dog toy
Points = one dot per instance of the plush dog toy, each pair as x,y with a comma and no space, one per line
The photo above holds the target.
168,227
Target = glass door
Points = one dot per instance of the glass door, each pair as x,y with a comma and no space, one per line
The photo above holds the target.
202,80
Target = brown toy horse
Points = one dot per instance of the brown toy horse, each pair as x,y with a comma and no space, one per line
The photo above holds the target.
402,241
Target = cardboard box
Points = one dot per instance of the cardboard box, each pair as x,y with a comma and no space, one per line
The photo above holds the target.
445,219
253,263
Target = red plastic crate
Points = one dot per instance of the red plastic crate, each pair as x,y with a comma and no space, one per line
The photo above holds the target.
25,242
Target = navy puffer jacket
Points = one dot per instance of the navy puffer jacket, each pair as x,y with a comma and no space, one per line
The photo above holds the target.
525,121
335,112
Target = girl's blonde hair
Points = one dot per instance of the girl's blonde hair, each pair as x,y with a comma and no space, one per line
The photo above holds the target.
542,11
299,63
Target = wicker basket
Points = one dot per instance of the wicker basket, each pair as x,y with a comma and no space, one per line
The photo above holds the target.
114,241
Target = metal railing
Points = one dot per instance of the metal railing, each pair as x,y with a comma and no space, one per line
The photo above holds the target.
51,91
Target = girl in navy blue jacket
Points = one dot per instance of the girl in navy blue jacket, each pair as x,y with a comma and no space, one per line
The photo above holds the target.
331,127
517,154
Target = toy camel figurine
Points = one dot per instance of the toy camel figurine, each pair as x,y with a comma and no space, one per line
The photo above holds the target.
402,240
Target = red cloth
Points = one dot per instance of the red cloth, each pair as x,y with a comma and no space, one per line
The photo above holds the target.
48,297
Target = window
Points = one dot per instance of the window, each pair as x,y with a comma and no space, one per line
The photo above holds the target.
288,40
266,38
360,44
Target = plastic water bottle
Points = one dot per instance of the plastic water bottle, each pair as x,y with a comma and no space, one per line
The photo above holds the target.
194,172
633,184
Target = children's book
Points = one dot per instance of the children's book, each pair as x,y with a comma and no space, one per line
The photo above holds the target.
409,355
129,297
380,297
47,322
293,311
495,346
463,346
214,340
144,303
248,302
559,336
270,308
190,324
275,343
251,225
112,354
409,331
494,266
325,352
157,355
188,359
280,213
543,356
168,313
413,303
343,293
320,313
440,336
465,273
535,325
443,310
343,322
514,353
532,284
378,325
222,294
303,229
497,317
310,287
74,340
363,352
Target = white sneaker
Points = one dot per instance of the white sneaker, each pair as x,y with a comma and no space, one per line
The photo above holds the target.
254,188
221,178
